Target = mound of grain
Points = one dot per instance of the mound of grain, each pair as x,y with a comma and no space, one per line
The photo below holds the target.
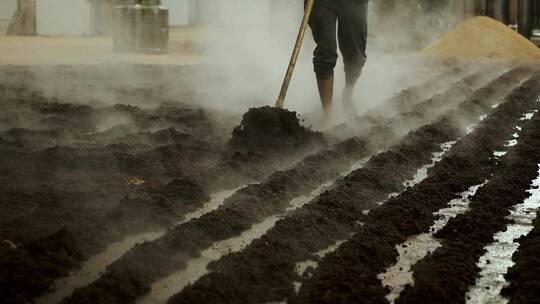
483,37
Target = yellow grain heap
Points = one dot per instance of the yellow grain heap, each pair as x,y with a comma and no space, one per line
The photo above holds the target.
483,37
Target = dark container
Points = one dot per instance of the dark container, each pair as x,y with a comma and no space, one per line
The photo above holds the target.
124,25
525,18
536,12
535,32
501,11
498,10
141,26
151,27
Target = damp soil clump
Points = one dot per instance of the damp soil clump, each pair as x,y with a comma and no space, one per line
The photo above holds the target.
27,270
273,131
156,205
64,174
82,231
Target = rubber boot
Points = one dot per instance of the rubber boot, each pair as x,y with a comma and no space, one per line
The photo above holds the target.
326,93
348,92
348,103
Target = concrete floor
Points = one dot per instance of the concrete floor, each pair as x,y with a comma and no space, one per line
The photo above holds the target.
41,50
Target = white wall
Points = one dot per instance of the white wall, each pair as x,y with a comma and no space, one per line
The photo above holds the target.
218,12
7,8
63,17
179,11
235,12
74,17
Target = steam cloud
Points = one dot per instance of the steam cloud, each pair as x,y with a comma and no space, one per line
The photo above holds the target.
254,42
248,44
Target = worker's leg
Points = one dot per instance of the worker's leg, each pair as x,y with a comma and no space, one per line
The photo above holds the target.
323,26
352,35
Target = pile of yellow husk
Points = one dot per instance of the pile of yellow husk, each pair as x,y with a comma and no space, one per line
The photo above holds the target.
483,37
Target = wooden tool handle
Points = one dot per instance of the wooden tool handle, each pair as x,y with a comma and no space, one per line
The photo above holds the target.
296,51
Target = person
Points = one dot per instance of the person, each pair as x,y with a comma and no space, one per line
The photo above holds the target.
347,18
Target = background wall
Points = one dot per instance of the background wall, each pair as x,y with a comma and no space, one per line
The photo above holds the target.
7,8
179,11
235,13
63,17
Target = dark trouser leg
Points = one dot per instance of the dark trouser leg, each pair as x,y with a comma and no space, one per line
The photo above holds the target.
352,35
323,23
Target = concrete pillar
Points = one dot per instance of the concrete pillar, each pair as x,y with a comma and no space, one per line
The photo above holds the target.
24,19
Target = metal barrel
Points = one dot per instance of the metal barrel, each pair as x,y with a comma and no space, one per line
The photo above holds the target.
501,11
150,2
489,7
480,7
151,27
525,18
535,30
498,10
123,26
536,12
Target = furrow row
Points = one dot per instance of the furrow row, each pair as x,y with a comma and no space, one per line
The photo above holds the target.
372,248
281,187
329,218
447,274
